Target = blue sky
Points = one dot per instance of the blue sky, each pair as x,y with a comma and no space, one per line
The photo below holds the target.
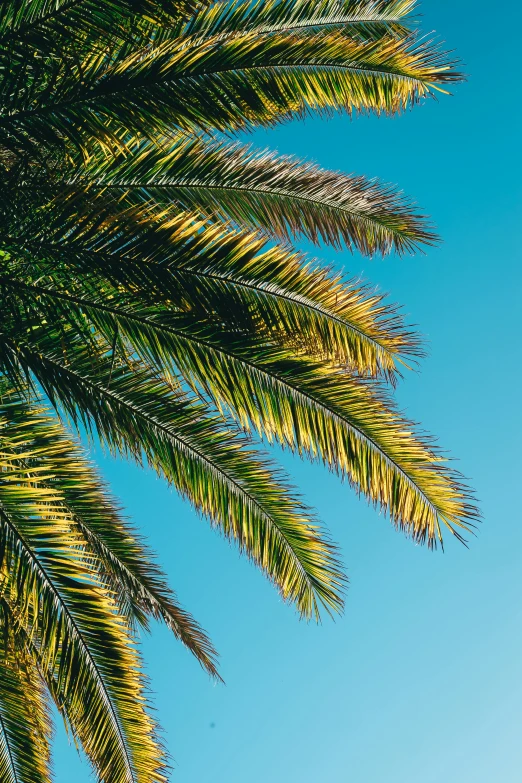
421,680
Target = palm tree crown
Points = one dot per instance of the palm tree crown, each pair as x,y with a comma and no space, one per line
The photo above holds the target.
152,298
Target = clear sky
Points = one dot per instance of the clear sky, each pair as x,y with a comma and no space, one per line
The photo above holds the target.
421,680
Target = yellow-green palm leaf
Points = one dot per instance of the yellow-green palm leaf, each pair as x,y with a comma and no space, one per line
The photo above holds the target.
366,19
314,407
198,81
79,640
25,719
123,563
283,197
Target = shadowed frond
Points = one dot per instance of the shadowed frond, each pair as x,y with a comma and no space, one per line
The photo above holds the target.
44,23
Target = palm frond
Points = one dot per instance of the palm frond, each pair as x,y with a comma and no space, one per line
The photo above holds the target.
84,650
143,417
285,197
325,413
312,407
150,293
179,264
199,82
124,564
366,19
25,719
43,23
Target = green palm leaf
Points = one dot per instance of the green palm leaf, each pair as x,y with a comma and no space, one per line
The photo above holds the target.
142,416
178,264
359,18
199,82
43,21
322,412
308,406
283,196
124,564
82,647
25,720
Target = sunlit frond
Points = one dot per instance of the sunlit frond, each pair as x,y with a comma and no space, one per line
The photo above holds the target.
141,416
311,407
199,82
151,295
25,719
285,197
83,649
124,564
181,264
366,19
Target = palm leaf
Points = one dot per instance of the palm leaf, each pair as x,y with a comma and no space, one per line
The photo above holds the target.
311,407
366,19
324,413
150,293
208,463
42,22
178,264
25,720
285,197
194,81
125,565
84,651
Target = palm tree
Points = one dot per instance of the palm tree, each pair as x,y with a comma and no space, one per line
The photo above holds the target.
152,298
